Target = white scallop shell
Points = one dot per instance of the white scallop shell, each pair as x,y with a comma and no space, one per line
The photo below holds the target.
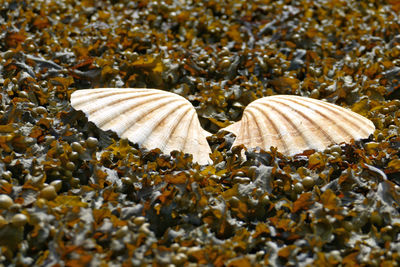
149,117
294,124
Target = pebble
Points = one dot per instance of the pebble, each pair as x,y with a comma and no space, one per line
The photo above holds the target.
19,220
5,201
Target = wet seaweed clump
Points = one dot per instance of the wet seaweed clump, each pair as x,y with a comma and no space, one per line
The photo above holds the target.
73,195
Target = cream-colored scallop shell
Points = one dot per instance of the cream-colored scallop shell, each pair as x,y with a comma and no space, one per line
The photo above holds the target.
149,117
294,124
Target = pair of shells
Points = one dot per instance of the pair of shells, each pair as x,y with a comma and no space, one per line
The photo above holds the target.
159,119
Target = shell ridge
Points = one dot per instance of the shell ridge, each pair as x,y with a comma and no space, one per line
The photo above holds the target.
115,100
142,130
189,128
255,120
275,128
179,114
195,135
317,108
356,122
126,120
86,95
90,105
303,115
241,138
111,106
199,141
182,144
249,134
288,120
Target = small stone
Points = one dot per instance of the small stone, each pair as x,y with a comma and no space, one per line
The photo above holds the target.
49,192
183,250
298,188
348,226
175,246
240,174
260,253
314,94
336,148
234,201
179,258
5,201
19,220
224,64
308,182
265,200
214,177
376,218
23,94
68,174
40,110
70,166
126,180
123,231
92,142
144,228
57,184
77,147
335,154
74,181
139,220
74,155
279,182
40,202
7,175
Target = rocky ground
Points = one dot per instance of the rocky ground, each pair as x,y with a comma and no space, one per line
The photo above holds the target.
73,195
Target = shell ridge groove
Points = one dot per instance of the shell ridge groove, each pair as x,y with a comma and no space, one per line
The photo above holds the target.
305,116
354,120
86,95
180,113
288,120
141,131
138,104
133,120
257,123
274,126
188,129
243,131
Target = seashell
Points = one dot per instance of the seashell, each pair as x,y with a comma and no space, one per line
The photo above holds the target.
149,117
294,124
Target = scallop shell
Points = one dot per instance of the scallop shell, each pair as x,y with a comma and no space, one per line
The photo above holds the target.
294,124
149,117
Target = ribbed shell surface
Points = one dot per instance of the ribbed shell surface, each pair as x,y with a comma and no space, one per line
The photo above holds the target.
294,124
150,117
